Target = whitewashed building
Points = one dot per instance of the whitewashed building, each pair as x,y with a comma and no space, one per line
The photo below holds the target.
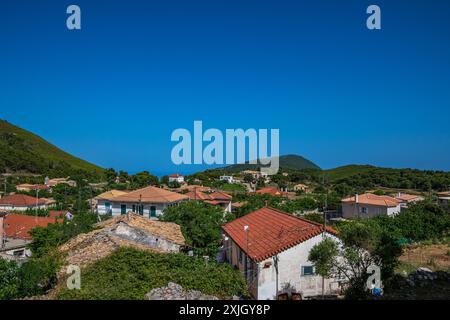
23,202
228,179
176,178
271,249
369,205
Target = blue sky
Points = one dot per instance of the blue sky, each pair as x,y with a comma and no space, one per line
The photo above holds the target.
113,92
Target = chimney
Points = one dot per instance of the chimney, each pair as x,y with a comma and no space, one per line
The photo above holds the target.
356,198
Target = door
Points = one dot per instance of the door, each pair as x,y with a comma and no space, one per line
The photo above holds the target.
152,212
123,209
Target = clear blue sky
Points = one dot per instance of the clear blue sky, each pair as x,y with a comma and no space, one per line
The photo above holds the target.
113,92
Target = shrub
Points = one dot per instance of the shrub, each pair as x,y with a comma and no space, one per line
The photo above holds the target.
130,273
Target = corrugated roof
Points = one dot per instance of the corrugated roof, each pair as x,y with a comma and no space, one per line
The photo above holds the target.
271,231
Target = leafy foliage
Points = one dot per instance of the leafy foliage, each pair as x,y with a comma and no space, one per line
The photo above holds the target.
200,223
45,239
131,273
9,280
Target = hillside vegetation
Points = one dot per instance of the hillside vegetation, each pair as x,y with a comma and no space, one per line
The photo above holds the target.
290,161
23,151
130,273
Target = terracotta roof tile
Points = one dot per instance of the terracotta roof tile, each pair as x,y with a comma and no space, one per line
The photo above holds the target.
150,195
271,190
271,231
21,200
373,199
18,225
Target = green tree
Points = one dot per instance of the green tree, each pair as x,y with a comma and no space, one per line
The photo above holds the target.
200,223
143,179
9,280
323,256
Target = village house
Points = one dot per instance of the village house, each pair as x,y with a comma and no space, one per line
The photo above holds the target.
149,202
102,202
369,205
26,187
15,234
176,178
228,179
56,181
255,174
444,200
301,187
22,202
273,191
216,198
271,248
406,199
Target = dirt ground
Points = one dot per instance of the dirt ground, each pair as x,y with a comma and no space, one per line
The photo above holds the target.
435,257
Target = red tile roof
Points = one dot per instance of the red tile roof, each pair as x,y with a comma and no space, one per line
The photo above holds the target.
18,225
271,190
271,231
214,196
373,199
57,213
21,200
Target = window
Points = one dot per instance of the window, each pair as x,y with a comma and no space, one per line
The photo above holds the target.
307,270
364,210
134,208
108,207
19,253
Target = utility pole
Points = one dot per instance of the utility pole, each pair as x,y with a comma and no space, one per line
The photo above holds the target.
275,262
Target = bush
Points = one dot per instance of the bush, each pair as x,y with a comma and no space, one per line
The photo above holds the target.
200,224
130,273
9,280
53,235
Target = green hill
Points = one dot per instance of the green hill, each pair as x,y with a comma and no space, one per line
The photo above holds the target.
350,170
23,151
290,161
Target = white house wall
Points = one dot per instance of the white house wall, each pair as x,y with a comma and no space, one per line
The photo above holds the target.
290,264
116,207
352,210
290,268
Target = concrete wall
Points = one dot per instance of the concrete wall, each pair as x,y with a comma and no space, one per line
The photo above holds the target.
126,232
352,210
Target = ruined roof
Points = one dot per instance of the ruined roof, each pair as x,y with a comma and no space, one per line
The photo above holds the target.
150,195
271,231
167,230
89,247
